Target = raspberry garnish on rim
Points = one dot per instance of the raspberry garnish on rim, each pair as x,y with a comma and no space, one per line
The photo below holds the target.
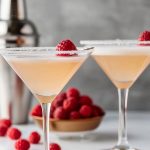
66,45
144,36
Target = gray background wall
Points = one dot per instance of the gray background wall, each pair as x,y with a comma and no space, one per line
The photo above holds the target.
90,20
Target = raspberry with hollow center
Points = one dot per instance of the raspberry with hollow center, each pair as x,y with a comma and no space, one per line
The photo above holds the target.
14,133
3,130
34,137
22,144
54,146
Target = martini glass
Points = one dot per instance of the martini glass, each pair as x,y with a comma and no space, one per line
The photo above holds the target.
45,71
123,61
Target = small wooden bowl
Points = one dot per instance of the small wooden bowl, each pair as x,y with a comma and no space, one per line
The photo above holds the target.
71,125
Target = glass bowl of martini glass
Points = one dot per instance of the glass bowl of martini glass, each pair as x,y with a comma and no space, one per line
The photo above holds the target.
123,61
45,71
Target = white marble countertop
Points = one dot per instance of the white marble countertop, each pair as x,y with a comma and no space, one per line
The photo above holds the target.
104,137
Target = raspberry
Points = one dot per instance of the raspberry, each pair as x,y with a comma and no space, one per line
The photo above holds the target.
144,36
97,111
37,111
59,100
66,45
22,144
61,96
60,113
70,104
6,122
3,130
52,109
85,100
85,111
34,137
73,92
14,133
75,115
54,146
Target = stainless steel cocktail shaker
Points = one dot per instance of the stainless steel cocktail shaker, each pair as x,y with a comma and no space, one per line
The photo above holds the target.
15,31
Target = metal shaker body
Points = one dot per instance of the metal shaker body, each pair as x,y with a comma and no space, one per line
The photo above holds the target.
15,31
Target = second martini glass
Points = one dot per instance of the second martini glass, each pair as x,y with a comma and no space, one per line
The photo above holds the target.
45,71
123,61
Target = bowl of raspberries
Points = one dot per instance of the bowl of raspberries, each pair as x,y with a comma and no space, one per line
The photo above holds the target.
71,112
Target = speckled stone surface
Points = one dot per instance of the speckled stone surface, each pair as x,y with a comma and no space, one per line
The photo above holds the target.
90,20
105,136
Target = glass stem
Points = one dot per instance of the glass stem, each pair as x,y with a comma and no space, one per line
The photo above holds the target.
46,112
122,129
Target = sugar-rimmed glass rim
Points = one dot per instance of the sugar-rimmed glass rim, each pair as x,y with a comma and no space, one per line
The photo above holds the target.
42,51
118,46
117,42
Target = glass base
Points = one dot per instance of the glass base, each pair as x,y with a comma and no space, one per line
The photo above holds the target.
122,148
